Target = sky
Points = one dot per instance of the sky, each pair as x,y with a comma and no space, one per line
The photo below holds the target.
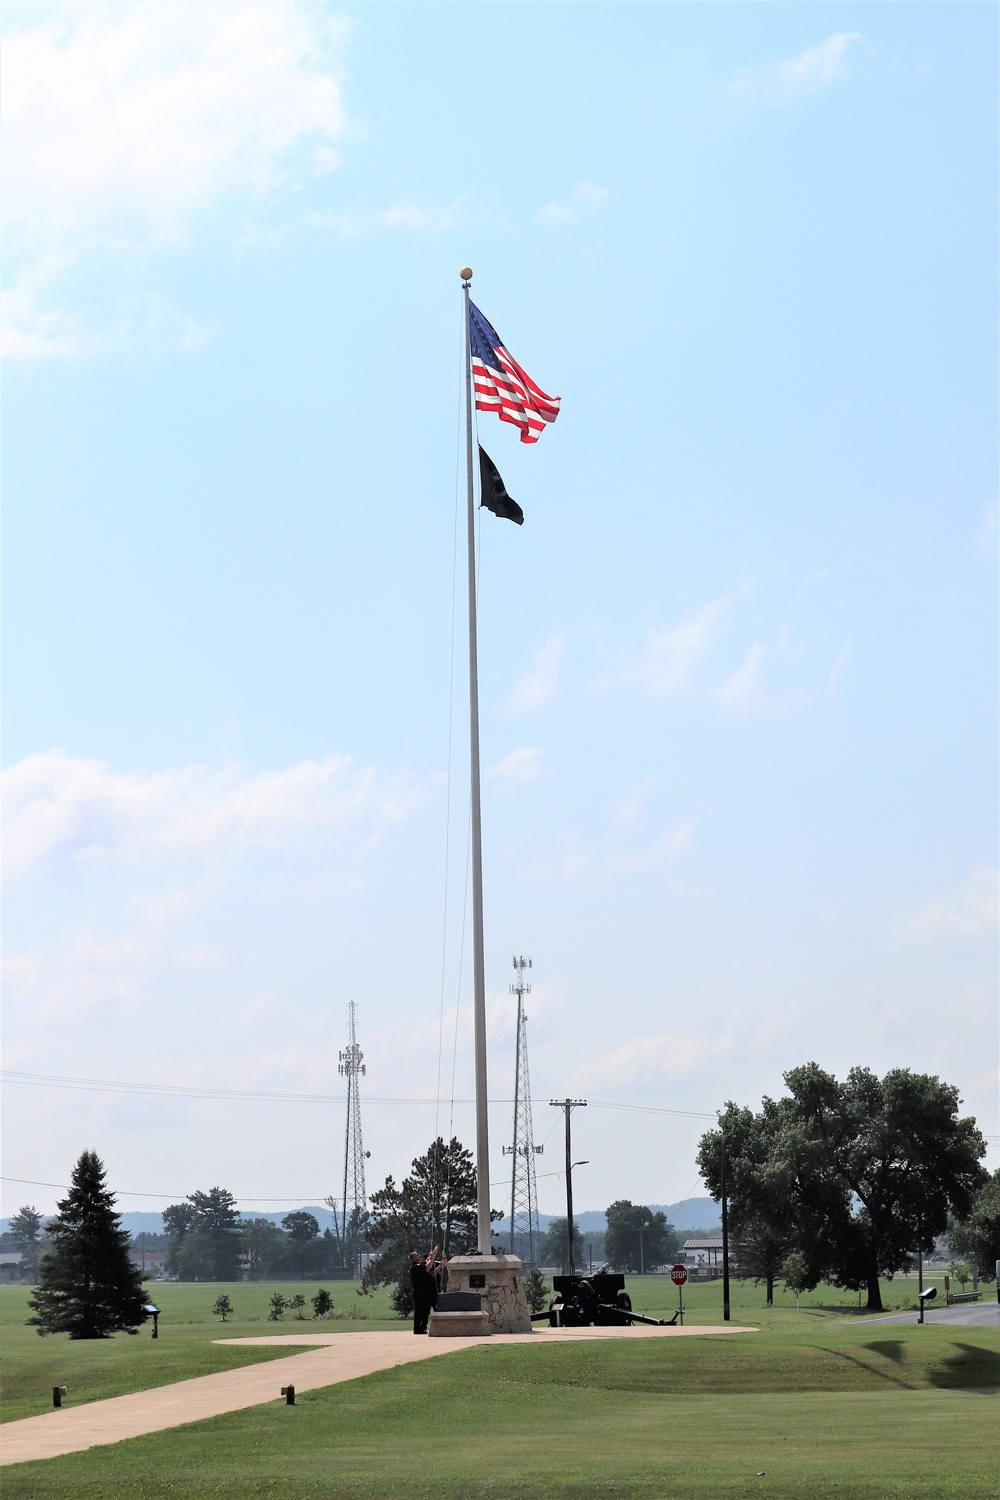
738,667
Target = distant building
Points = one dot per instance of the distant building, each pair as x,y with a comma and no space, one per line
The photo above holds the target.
10,1265
150,1260
703,1255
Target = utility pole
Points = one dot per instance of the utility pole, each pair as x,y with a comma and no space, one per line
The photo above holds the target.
568,1106
725,1234
523,1190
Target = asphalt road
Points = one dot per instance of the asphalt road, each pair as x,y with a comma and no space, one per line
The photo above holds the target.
985,1314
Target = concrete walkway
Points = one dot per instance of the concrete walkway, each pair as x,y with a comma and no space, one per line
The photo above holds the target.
331,1358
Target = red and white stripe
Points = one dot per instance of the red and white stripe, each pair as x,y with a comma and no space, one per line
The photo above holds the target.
513,395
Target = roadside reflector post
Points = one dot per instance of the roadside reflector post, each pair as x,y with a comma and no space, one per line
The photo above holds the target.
58,1392
288,1391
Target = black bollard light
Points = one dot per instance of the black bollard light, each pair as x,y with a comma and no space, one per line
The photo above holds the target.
288,1391
58,1392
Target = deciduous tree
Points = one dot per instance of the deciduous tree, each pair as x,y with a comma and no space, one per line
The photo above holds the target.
860,1174
794,1274
977,1238
262,1242
301,1226
637,1239
88,1286
552,1250
761,1211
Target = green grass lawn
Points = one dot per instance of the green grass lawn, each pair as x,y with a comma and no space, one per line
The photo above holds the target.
825,1409
111,1367
92,1370
820,1403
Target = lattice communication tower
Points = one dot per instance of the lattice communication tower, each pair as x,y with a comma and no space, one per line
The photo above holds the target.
355,1200
523,1192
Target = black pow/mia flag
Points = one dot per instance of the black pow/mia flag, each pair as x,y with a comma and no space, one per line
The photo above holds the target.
494,491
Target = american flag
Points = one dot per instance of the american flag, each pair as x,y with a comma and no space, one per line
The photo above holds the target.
502,386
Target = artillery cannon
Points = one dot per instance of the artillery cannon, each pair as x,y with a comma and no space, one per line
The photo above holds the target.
599,1300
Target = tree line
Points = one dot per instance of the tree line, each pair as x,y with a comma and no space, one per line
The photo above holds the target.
845,1182
208,1240
836,1182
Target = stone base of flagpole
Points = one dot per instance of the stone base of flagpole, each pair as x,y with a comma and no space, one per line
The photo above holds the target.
498,1281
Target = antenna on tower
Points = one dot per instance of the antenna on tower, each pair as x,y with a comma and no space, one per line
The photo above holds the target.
523,1192
354,1208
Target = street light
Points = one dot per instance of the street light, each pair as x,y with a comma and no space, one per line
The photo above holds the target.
569,1216
642,1261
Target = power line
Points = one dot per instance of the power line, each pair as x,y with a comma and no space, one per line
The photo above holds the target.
181,1197
185,1091
177,1197
182,1091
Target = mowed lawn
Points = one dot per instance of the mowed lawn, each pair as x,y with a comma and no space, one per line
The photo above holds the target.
94,1369
814,1405
832,1411
31,1366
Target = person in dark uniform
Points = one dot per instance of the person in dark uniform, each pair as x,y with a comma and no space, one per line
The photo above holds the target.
424,1284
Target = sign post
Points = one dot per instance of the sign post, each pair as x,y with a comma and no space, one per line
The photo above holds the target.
678,1275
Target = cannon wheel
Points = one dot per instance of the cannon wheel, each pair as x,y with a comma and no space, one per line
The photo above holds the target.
624,1302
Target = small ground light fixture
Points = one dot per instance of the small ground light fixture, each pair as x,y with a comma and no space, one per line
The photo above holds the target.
288,1391
58,1392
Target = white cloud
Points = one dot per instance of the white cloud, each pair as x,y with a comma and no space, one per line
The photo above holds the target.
798,77
646,1061
353,224
623,813
973,910
673,654
568,861
122,122
743,686
833,676
586,199
538,685
33,329
671,847
58,806
519,766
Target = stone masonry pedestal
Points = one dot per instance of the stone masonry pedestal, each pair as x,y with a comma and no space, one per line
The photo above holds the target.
498,1280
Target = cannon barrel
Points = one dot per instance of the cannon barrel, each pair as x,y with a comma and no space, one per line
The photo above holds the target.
633,1317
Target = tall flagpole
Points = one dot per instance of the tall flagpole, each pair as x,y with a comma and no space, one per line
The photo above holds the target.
478,956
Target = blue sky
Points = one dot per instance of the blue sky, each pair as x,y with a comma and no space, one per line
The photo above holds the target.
738,666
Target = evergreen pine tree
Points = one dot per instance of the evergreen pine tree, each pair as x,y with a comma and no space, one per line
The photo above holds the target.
88,1286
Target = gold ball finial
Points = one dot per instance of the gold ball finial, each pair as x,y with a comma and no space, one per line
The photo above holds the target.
466,273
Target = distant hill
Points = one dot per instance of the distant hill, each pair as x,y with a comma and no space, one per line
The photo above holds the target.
692,1213
139,1222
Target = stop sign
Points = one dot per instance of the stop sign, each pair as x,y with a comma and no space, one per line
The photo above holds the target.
678,1275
